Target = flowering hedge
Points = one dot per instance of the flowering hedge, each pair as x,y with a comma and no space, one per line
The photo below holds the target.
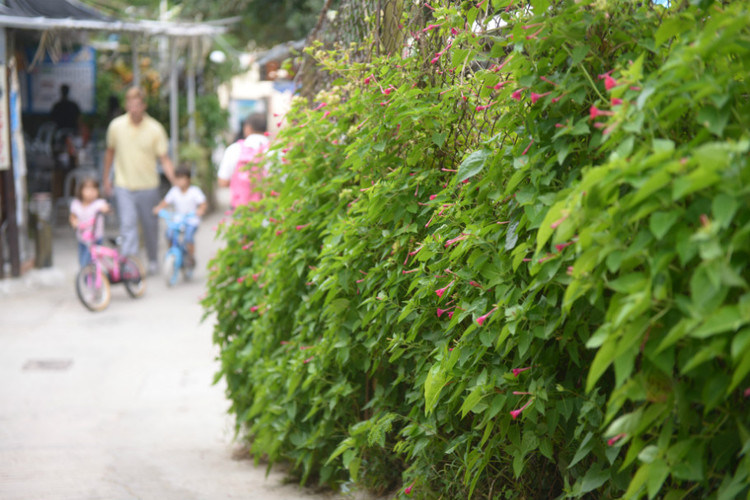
508,262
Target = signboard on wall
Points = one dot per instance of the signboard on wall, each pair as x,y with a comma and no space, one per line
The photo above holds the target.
77,70
239,109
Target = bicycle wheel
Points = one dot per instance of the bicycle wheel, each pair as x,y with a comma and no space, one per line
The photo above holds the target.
170,269
132,275
95,298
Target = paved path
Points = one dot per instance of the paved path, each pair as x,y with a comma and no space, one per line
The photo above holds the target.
134,414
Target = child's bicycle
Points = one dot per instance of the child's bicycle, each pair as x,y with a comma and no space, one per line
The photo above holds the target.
107,266
177,258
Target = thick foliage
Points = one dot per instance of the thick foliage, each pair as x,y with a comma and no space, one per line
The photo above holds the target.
515,266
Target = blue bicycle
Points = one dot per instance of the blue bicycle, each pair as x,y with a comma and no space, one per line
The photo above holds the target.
177,258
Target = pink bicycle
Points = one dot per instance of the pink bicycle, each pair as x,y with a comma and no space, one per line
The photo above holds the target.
107,266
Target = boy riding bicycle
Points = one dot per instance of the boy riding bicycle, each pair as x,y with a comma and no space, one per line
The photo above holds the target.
185,200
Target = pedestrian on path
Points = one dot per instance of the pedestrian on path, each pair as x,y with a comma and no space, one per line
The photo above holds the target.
135,141
241,168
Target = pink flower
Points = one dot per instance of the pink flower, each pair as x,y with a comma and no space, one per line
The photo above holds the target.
747,392
274,193
454,240
516,371
256,276
559,125
535,97
440,312
305,347
545,79
436,58
433,196
240,279
407,490
479,5
441,291
450,314
486,106
254,309
320,106
615,439
301,226
454,31
558,222
559,247
474,283
527,148
285,342
499,85
308,359
609,82
615,101
325,115
595,112
517,94
570,271
483,318
409,272
515,413
279,232
431,27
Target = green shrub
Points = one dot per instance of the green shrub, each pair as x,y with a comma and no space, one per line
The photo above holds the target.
515,267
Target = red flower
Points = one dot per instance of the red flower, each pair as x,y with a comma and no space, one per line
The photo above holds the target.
301,226
517,94
433,196
450,314
407,490
516,371
515,413
486,106
474,283
240,279
431,27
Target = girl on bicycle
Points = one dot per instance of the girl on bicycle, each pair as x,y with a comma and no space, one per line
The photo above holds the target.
83,211
186,199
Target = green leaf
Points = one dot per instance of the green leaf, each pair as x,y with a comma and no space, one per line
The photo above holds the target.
661,222
579,53
604,357
713,119
594,478
740,372
474,397
473,164
583,449
432,386
725,319
657,474
723,208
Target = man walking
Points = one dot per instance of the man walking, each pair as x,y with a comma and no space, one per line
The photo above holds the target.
135,141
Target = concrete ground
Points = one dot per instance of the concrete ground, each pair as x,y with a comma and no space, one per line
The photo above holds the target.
118,404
